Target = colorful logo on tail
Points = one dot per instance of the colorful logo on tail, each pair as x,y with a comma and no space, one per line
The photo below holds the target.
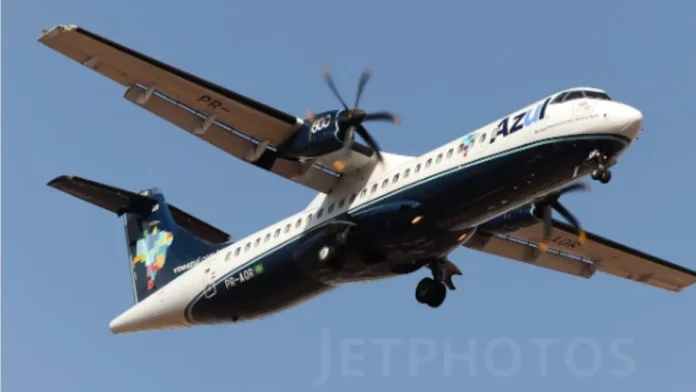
152,251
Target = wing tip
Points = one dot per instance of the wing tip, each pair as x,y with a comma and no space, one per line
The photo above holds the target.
60,180
56,30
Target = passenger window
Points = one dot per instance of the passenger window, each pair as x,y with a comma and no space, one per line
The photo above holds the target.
460,148
268,237
374,188
309,218
341,203
236,251
331,208
449,153
352,198
573,95
227,257
320,213
363,193
418,166
482,138
247,246
407,172
396,177
277,233
428,162
439,158
385,183
299,222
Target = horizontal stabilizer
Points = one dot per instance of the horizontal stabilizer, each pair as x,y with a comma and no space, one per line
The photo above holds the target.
121,201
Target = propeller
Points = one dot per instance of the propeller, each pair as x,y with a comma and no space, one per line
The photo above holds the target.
352,119
549,203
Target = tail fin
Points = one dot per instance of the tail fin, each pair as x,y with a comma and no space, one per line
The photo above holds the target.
163,241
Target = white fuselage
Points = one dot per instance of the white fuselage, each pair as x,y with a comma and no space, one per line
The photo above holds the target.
579,117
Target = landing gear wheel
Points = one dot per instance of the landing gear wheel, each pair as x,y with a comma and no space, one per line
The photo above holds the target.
431,292
601,175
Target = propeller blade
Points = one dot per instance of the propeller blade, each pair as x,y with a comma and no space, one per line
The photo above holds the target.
309,115
574,188
369,140
332,85
571,219
551,202
548,228
382,116
364,78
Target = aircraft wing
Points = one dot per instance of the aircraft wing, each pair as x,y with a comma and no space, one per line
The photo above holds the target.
567,255
238,125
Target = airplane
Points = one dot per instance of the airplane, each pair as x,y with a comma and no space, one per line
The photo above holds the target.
376,215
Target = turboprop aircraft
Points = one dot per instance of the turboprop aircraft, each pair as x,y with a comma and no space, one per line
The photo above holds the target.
376,214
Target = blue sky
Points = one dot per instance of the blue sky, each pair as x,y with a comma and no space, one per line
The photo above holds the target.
447,68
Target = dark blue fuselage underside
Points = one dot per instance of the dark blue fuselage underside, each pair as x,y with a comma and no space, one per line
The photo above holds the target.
450,202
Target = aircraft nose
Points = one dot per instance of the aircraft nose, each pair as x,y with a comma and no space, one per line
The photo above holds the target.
629,120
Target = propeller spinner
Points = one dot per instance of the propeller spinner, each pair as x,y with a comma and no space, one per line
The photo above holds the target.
549,203
351,120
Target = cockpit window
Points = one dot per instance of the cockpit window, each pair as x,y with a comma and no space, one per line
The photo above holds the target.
597,95
577,94
573,95
559,98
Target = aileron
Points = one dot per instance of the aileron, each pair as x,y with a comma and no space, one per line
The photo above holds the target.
129,68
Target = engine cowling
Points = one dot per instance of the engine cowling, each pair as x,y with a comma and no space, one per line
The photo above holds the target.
514,220
320,137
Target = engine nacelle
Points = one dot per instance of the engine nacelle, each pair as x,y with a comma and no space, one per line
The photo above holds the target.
320,137
514,220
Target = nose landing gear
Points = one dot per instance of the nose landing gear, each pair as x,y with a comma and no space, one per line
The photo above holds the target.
601,173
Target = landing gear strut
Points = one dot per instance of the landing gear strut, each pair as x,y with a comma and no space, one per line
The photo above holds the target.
432,291
601,173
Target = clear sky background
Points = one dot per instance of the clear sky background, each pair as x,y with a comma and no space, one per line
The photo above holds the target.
447,67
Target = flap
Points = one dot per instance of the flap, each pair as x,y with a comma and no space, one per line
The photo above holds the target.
597,253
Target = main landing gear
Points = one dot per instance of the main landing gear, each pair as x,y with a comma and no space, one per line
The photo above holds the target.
601,173
432,291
